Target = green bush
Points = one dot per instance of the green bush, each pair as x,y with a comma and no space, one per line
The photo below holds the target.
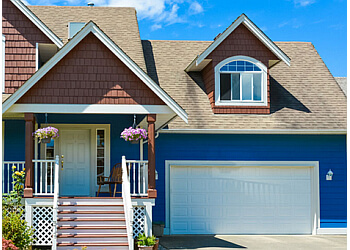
143,240
13,227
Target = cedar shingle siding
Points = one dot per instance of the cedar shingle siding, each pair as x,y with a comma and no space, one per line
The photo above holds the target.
90,74
240,42
21,36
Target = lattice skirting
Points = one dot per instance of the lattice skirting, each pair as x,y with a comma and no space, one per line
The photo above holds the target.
43,225
23,216
139,220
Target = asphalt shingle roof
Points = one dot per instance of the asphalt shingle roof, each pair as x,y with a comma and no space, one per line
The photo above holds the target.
120,24
342,82
303,96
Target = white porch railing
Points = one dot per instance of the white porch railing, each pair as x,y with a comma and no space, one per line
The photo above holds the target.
44,177
7,185
128,210
55,204
138,177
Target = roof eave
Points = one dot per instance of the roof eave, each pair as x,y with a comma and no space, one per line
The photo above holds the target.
253,28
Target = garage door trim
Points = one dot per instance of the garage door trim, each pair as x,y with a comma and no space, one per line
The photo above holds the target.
315,201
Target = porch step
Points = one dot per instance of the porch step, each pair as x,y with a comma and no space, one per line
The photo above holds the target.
98,223
94,246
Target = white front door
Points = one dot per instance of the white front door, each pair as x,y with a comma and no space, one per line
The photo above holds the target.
240,200
75,175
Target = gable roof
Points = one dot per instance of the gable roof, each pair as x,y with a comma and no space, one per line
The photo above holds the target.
118,23
200,61
301,100
32,17
91,27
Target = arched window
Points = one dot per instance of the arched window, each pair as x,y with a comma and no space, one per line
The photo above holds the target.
240,80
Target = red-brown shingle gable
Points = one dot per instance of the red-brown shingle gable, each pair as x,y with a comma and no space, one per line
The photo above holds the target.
21,36
240,42
90,74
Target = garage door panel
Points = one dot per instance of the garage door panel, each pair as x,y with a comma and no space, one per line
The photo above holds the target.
238,200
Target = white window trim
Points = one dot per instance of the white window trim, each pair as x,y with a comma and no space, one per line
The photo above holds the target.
36,56
3,62
218,102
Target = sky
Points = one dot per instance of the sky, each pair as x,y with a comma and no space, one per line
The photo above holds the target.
322,22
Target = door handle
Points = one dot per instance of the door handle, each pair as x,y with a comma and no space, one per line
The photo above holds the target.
62,156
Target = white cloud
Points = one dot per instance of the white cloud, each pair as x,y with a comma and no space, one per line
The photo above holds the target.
145,9
156,27
195,8
294,23
303,3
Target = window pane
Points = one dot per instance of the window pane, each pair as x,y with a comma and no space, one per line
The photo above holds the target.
100,152
247,86
100,171
257,87
235,87
100,137
225,86
100,162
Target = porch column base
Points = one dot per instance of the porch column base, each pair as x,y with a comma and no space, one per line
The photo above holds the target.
28,193
152,193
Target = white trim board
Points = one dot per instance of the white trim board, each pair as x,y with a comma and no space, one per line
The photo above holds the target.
256,131
243,19
32,17
91,27
90,109
315,189
342,230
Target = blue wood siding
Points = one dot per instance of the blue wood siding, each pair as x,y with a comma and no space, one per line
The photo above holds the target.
14,143
329,150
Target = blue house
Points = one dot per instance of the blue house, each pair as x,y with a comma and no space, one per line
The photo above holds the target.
245,135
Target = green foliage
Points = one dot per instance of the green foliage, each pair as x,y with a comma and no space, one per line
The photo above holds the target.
13,200
13,227
143,240
16,229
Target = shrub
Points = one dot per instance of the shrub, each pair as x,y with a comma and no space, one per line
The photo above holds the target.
143,240
16,229
8,245
13,227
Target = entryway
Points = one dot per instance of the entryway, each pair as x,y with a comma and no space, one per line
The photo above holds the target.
75,174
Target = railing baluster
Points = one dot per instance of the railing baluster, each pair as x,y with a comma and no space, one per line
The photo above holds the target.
139,177
134,178
3,177
144,178
51,174
9,177
46,182
41,177
36,183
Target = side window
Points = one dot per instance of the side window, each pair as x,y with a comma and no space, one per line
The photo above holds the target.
101,153
240,81
44,52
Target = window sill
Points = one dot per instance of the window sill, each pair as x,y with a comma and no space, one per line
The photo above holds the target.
241,104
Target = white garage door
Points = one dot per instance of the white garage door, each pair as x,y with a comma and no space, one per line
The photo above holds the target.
240,200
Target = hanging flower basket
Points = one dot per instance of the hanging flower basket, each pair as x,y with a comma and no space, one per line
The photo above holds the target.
46,134
133,135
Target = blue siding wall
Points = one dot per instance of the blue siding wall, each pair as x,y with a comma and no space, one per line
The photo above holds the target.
14,140
329,150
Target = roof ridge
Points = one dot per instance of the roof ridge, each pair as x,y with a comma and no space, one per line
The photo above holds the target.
59,6
155,40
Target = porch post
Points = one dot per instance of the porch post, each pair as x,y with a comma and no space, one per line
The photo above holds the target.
152,192
29,153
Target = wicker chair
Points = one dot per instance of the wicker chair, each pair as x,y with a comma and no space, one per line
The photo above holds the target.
114,178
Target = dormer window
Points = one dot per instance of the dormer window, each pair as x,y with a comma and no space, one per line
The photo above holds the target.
241,81
74,28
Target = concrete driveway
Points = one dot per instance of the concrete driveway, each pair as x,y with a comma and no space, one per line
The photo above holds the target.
254,242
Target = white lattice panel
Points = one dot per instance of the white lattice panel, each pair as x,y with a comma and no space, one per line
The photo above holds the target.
23,216
43,225
139,220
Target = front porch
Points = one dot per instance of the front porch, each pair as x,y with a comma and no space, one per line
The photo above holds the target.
70,165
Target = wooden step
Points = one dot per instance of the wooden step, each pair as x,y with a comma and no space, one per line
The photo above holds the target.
93,244
79,197
91,219
91,227
91,235
91,212
92,205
